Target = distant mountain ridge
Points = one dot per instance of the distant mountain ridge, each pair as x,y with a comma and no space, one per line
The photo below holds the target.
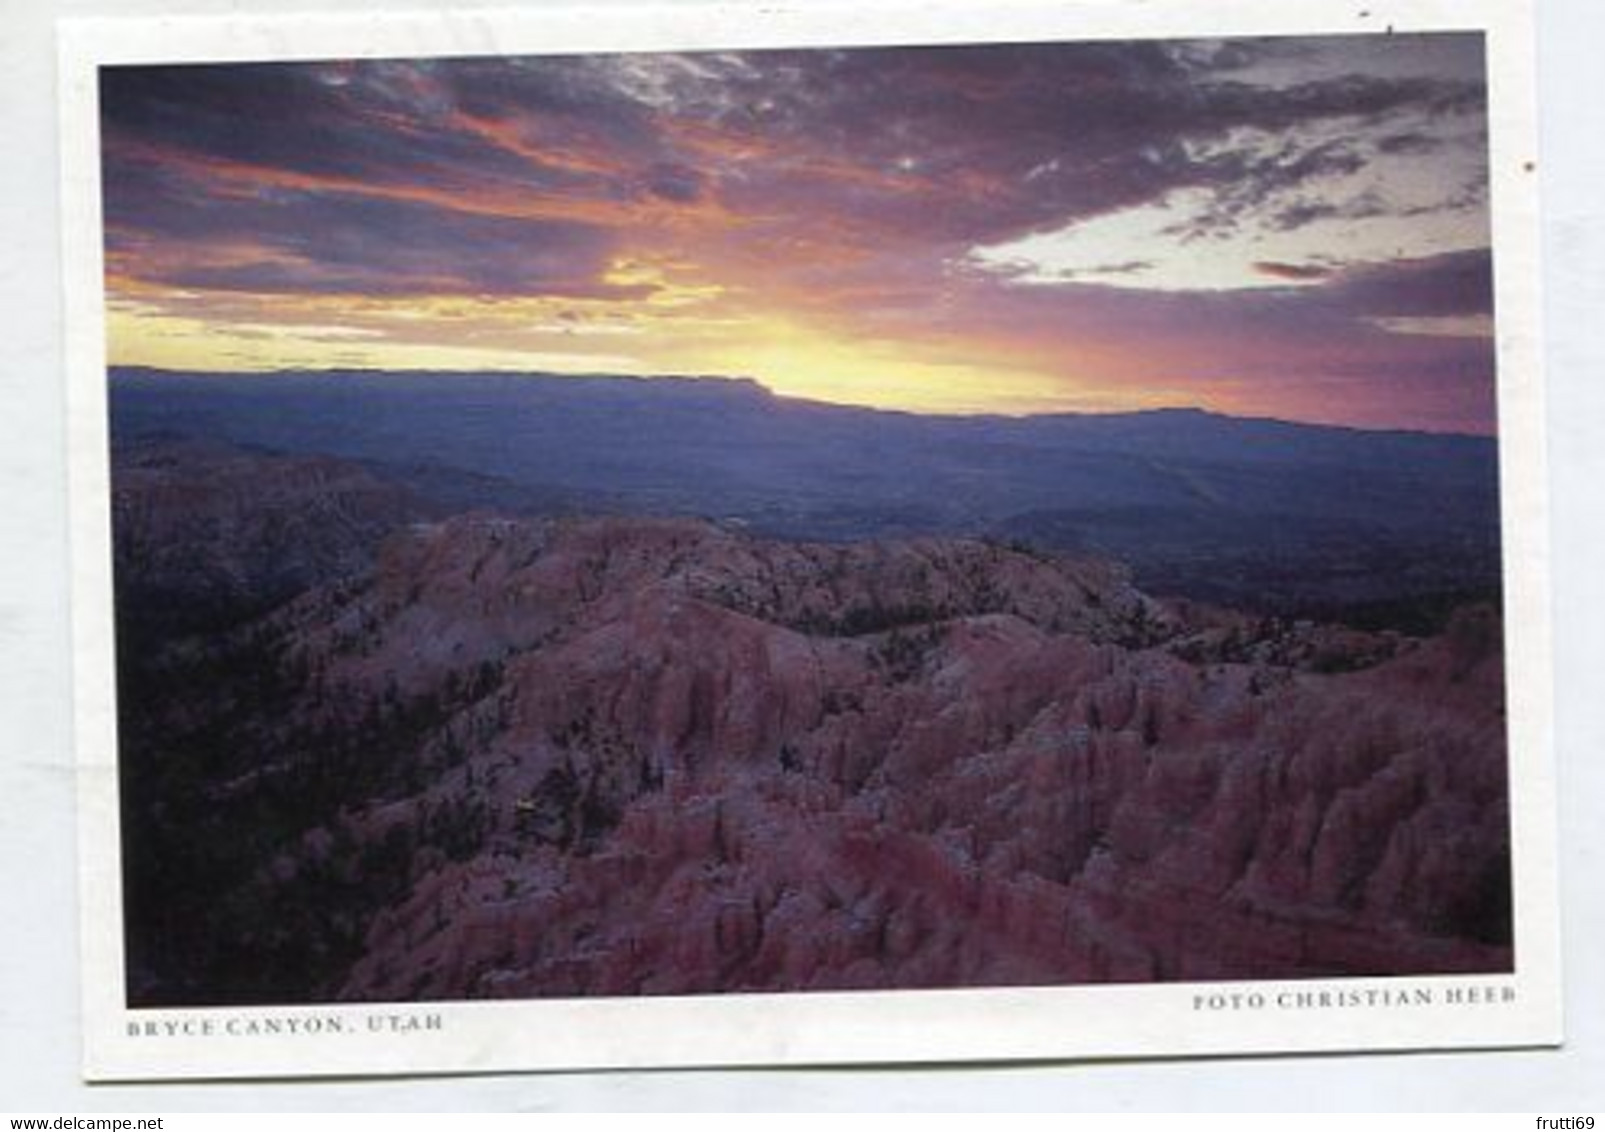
1251,512
752,385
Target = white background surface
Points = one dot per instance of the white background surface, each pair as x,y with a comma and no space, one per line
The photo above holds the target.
38,930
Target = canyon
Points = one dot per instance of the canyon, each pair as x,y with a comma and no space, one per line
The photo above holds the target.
379,747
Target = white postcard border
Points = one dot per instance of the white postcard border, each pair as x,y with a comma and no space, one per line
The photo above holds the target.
1102,1021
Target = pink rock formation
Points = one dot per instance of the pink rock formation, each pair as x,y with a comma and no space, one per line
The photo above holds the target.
713,763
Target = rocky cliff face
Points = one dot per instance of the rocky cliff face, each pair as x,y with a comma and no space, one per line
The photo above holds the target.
610,756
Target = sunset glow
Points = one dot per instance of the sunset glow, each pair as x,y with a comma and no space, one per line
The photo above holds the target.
1294,228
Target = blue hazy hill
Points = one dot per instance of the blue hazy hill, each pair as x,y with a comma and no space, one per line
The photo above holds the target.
1259,513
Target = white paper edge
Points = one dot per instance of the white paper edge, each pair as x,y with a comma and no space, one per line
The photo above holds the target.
1102,1021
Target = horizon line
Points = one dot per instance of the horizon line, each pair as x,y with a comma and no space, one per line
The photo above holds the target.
750,380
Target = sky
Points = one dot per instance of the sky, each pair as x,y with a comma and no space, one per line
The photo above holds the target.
1293,228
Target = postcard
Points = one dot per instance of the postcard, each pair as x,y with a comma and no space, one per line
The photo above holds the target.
807,535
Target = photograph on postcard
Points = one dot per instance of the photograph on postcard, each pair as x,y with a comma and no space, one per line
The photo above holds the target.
806,520
794,520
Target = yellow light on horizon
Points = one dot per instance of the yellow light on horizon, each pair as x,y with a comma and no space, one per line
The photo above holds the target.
787,355
177,343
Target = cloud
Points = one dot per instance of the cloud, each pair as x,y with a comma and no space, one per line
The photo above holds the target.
1107,270
674,182
916,145
1011,140
1197,208
1304,211
1412,144
288,240
1293,272
1460,283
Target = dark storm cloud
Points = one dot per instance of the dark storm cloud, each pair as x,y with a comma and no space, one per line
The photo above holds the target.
378,123
1460,283
941,146
1015,139
287,240
306,119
